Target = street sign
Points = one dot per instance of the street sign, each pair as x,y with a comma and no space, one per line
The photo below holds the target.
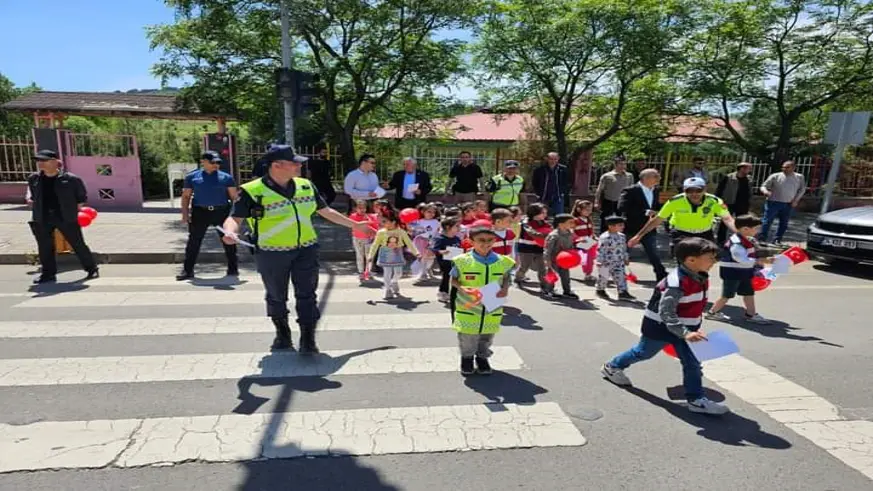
847,128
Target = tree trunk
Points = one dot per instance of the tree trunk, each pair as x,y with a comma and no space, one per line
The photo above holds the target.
347,150
782,152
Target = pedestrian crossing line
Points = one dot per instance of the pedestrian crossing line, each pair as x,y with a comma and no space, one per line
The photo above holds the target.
798,408
85,298
338,279
237,437
167,368
157,326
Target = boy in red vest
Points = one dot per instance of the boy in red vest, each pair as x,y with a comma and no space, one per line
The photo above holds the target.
673,316
501,218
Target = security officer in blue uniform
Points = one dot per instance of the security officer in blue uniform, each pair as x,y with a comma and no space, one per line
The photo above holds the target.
211,191
278,209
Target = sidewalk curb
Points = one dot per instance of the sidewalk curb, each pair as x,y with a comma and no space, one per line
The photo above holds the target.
158,257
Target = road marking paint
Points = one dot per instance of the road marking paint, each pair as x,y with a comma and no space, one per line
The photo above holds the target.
240,437
798,408
164,368
113,281
211,325
84,298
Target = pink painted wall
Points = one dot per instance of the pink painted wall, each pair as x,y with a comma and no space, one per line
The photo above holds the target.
125,181
13,192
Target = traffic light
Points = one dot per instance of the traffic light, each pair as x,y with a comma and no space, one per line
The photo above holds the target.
225,145
298,87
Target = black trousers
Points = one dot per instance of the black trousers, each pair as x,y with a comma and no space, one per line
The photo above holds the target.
607,208
650,245
676,236
401,203
201,219
44,234
445,269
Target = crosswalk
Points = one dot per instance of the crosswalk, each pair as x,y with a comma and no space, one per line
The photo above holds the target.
116,372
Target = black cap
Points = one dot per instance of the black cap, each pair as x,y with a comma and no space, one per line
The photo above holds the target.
481,229
283,152
611,219
46,155
211,156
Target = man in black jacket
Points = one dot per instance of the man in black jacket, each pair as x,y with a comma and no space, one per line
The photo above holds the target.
638,203
56,197
411,185
551,184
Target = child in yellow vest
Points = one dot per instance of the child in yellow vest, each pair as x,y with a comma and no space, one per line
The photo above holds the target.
476,327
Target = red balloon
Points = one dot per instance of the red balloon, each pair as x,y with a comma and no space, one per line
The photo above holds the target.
481,223
551,277
91,212
467,244
670,350
631,278
83,219
568,259
409,215
481,215
760,283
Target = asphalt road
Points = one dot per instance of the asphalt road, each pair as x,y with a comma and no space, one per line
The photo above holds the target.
619,439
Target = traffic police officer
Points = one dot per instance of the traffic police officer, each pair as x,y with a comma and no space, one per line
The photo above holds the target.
278,209
691,214
213,191
506,188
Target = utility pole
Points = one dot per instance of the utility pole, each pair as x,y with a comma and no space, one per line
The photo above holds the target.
844,129
287,99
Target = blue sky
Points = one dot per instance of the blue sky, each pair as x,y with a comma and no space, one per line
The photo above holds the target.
89,45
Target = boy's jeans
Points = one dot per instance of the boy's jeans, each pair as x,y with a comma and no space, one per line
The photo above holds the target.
692,374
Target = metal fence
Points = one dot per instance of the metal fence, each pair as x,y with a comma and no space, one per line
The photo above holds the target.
16,159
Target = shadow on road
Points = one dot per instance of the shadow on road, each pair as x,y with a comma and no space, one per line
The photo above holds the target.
513,316
776,329
729,429
850,269
504,388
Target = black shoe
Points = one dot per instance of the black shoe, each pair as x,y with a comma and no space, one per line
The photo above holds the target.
232,272
571,295
42,279
282,341
483,367
93,274
307,341
626,296
184,275
602,294
467,366
552,294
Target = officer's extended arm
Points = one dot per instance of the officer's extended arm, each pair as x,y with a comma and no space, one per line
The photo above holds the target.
652,224
338,218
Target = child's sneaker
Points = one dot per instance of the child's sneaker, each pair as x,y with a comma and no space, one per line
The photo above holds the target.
467,366
551,294
602,294
705,406
717,316
615,375
757,319
483,367
626,296
442,297
571,295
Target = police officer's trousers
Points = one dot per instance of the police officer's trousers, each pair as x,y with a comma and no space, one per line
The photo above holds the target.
300,267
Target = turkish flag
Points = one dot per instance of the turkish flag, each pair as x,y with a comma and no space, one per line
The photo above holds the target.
796,254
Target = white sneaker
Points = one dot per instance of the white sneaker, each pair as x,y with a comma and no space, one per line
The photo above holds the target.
615,375
443,297
757,319
718,316
705,406
389,295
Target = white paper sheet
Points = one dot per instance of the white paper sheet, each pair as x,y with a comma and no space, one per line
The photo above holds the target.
718,344
585,243
490,300
236,237
452,252
380,192
412,187
781,264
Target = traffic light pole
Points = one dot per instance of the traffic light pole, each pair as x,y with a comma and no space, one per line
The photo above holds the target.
287,102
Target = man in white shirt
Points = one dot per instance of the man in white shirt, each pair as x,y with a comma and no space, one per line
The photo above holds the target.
783,191
363,183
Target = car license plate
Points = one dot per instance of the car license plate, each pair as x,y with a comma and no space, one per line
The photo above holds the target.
845,244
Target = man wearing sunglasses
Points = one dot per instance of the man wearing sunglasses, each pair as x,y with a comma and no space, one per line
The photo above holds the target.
690,214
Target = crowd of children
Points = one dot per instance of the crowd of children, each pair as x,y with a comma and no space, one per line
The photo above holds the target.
472,247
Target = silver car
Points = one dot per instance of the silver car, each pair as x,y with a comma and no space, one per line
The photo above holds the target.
843,235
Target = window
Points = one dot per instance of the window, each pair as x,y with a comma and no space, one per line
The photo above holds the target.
104,170
106,194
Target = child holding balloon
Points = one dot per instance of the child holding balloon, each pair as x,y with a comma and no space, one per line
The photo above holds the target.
739,260
584,233
612,258
559,240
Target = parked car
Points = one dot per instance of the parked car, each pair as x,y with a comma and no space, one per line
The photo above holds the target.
843,235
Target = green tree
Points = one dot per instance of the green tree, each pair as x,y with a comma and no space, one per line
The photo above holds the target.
591,68
779,64
364,53
13,124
